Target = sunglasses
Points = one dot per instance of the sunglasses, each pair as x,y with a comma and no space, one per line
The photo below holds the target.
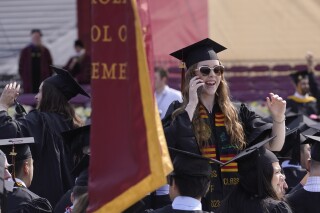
205,70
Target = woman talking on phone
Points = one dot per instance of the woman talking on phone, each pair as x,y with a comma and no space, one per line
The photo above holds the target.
208,123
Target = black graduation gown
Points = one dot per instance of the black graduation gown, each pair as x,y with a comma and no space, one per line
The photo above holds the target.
168,209
302,201
23,200
52,159
275,206
179,134
293,176
309,105
306,106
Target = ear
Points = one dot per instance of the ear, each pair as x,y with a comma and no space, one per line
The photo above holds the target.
72,197
174,186
26,168
308,165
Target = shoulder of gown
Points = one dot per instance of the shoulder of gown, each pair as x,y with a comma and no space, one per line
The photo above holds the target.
23,200
255,127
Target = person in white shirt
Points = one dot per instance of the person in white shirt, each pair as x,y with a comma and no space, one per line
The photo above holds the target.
163,93
307,199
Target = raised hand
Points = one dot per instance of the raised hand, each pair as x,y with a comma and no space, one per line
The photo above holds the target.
9,94
277,107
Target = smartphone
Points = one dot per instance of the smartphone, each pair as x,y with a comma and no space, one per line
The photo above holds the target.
199,90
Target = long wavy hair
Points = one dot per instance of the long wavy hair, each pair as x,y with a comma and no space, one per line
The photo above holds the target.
54,101
202,130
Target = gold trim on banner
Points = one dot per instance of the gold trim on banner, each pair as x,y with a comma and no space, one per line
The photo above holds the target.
159,158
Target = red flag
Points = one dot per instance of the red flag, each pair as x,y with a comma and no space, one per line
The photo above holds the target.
129,157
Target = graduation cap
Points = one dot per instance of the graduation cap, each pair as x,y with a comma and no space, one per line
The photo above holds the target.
291,146
16,150
248,151
251,163
77,138
315,148
297,120
242,154
190,164
299,75
313,130
205,49
65,83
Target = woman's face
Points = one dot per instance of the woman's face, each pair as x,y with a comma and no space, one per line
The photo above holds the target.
38,97
278,179
211,80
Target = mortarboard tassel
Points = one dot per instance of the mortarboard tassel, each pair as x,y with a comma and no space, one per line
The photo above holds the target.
13,158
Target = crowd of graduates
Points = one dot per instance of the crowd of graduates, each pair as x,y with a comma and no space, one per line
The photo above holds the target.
226,157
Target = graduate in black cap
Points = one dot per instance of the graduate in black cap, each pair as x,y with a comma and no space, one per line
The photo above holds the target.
189,182
54,114
261,183
307,199
208,123
301,101
21,199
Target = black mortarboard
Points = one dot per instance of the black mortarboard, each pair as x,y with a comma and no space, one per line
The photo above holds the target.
249,150
251,163
190,164
242,154
16,149
65,83
36,31
315,148
292,141
299,75
300,121
205,49
77,138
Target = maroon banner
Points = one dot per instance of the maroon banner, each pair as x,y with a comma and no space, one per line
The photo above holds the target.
127,159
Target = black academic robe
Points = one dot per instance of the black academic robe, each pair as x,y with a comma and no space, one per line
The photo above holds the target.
305,106
180,135
302,201
23,200
168,209
34,64
293,176
52,159
275,206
